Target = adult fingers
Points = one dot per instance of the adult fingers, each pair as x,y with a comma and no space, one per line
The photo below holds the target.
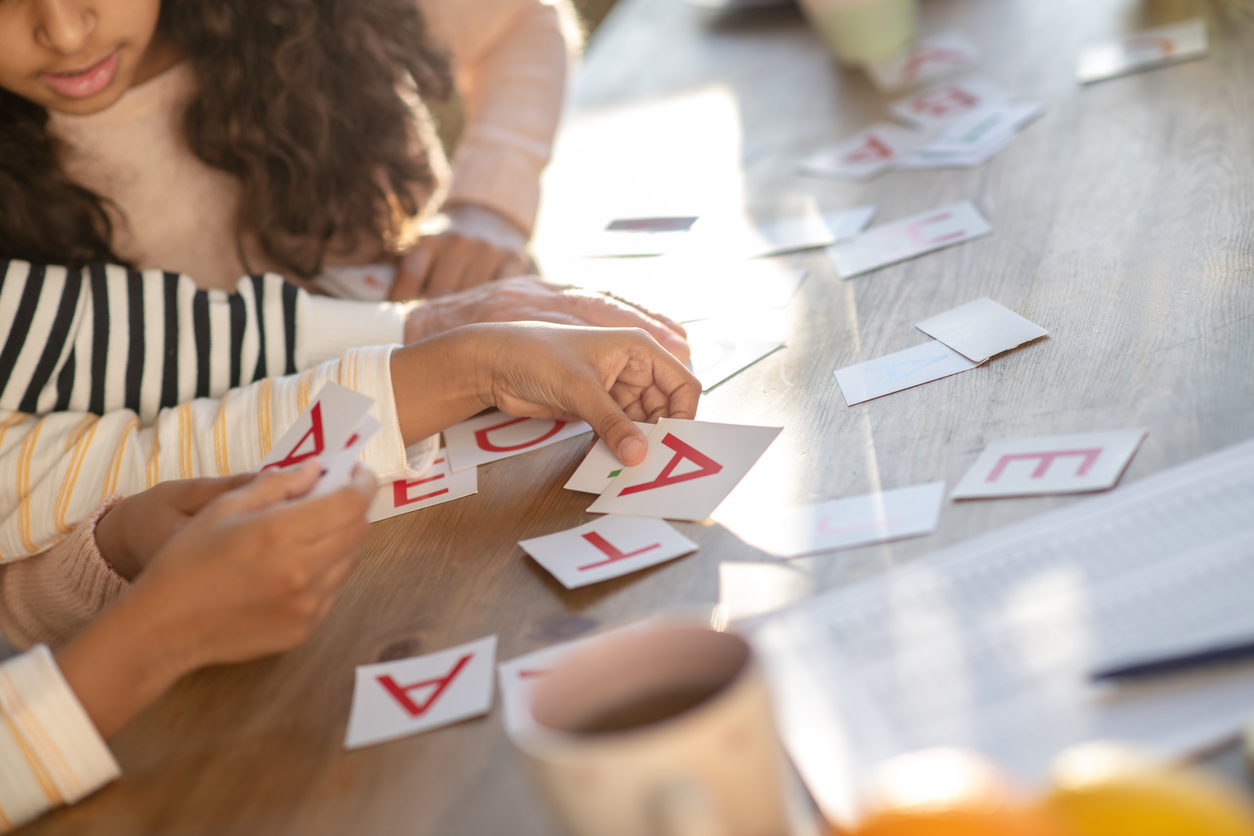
595,406
512,265
608,312
414,268
663,318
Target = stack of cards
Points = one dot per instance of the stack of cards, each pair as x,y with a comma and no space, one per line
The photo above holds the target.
972,139
334,429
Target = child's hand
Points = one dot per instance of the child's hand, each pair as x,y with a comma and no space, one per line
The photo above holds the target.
137,527
528,298
446,263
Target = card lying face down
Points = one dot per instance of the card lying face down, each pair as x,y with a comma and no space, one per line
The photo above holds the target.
607,548
495,435
690,468
1079,463
902,370
981,329
1144,51
408,696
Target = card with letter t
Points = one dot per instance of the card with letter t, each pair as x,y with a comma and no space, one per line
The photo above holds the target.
607,548
407,696
691,467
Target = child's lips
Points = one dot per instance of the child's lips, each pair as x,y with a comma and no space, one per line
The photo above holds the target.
86,83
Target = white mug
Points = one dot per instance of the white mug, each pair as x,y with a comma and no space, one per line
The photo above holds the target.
664,731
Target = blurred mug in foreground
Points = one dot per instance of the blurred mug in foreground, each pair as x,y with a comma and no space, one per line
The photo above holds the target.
660,732
863,31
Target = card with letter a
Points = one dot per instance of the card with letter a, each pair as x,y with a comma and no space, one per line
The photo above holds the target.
495,435
328,425
917,235
607,548
406,696
1079,463
690,468
1144,51
439,484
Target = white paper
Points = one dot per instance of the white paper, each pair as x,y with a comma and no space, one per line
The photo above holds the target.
426,692
988,644
931,59
902,370
860,520
864,154
495,435
971,140
690,468
981,329
325,426
721,350
337,466
607,548
439,485
916,235
600,466
1078,463
365,283
1143,51
948,100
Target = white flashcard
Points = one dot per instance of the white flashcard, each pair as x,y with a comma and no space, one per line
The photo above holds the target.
600,466
403,697
1144,51
916,235
973,139
714,458
719,351
931,59
948,100
337,466
326,426
981,329
1079,463
902,370
860,520
627,237
748,589
607,548
440,484
495,435
864,154
365,283
806,231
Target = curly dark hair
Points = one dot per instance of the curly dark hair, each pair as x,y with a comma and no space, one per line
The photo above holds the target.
314,106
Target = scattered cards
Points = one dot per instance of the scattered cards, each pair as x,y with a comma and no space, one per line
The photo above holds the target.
690,468
721,350
860,520
971,140
407,696
946,101
440,484
981,329
607,548
495,435
908,238
1051,464
600,466
865,154
931,59
804,232
1144,51
366,283
903,370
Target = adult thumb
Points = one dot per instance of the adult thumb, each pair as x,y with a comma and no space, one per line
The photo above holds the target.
613,426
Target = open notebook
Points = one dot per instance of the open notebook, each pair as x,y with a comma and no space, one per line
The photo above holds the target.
988,644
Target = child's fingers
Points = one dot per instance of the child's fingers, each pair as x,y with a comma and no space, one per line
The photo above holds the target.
271,486
412,275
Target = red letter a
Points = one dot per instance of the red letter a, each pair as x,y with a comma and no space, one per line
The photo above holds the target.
682,451
315,415
401,692
481,436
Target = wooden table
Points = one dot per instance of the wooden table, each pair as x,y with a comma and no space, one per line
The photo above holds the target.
1124,223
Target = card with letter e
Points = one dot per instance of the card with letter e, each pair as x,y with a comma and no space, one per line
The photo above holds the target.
407,696
607,548
1144,51
1079,463
495,435
916,235
439,484
690,468
948,100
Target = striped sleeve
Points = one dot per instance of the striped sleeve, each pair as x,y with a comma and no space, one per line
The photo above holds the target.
50,752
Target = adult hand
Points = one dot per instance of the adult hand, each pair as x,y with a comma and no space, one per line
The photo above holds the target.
137,527
438,265
531,299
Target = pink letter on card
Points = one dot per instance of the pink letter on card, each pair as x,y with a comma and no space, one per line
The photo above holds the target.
682,451
401,692
1046,459
481,436
315,432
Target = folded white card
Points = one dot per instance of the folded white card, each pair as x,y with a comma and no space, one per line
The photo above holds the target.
916,235
440,484
407,696
607,548
1078,463
1143,51
903,370
864,154
981,329
495,435
860,520
600,466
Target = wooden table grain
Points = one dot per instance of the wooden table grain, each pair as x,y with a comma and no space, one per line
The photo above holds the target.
1123,222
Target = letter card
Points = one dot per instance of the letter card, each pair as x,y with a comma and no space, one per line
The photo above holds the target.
690,468
910,237
931,59
903,370
600,466
403,697
865,154
495,435
327,425
439,484
606,548
860,520
1144,51
981,329
1079,463
948,100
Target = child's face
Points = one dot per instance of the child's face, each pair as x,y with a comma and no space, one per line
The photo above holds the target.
75,56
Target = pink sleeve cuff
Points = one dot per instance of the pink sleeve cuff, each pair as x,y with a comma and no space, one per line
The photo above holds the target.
50,597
